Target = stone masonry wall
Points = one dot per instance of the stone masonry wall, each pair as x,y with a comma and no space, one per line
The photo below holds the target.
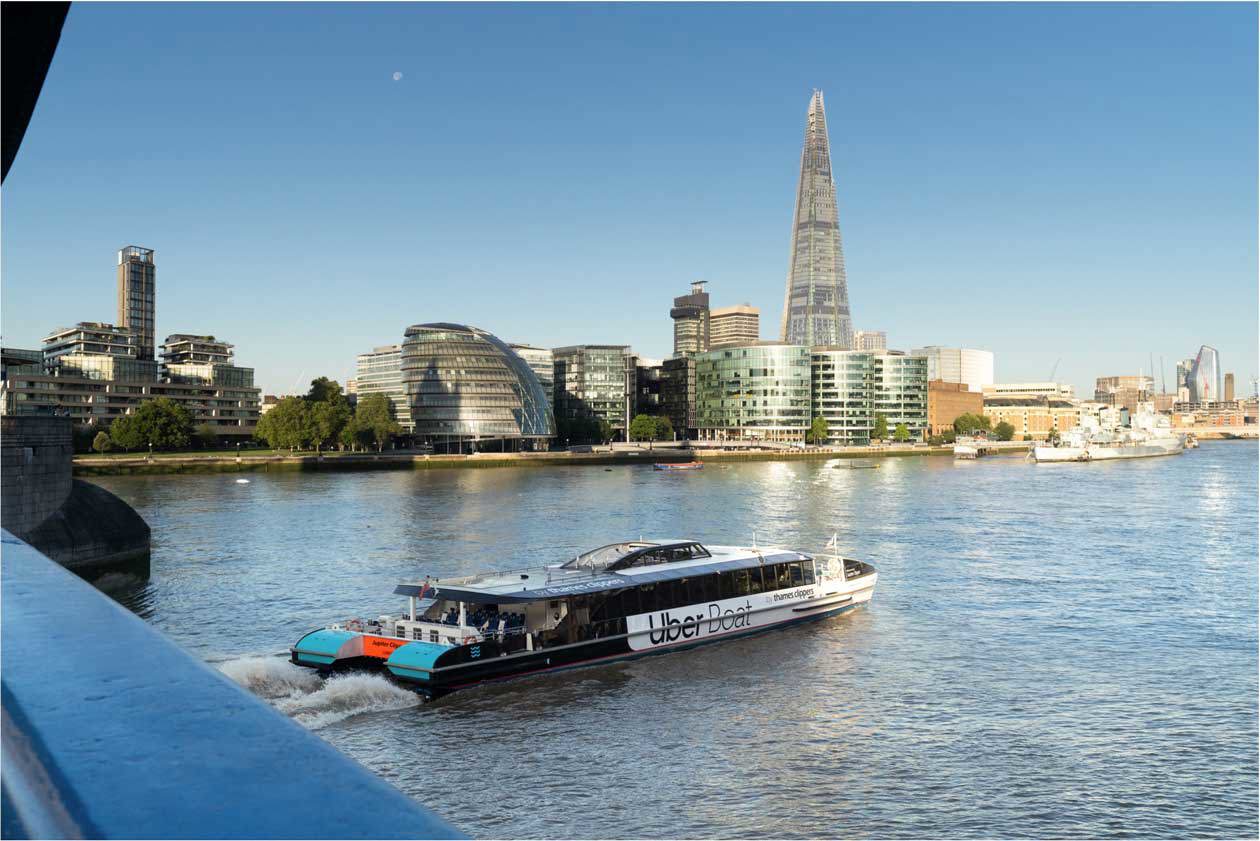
35,480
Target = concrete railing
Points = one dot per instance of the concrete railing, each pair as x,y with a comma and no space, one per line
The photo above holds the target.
112,731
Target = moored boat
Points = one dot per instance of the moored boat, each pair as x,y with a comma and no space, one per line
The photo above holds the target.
678,465
1148,435
618,602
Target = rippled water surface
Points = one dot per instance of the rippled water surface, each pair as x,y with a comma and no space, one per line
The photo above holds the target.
1053,650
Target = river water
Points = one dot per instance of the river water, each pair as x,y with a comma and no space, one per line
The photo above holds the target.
1053,650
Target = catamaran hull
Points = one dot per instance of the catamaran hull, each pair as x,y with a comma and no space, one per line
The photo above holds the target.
1149,449
665,631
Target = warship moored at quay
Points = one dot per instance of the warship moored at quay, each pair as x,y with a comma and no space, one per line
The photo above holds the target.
618,602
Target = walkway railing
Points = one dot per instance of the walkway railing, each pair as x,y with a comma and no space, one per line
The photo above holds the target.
110,730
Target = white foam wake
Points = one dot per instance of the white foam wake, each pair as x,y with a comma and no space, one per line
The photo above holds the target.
301,694
342,696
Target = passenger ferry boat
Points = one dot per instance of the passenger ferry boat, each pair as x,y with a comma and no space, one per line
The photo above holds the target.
617,602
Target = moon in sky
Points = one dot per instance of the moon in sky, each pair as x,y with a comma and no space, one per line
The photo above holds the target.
397,75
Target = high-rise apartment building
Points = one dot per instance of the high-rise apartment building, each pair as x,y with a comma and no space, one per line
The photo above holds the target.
380,372
974,368
870,340
678,394
691,320
816,300
137,292
737,325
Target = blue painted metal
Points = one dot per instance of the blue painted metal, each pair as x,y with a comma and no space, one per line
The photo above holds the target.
415,659
112,731
321,647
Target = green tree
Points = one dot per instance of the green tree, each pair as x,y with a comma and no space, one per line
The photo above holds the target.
818,431
101,442
603,430
881,428
375,414
643,428
664,429
125,433
162,422
287,425
327,420
901,433
969,424
324,390
207,436
1004,431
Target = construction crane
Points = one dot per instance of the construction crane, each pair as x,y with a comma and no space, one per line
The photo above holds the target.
1055,368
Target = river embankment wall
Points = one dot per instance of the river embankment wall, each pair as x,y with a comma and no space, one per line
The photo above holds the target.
143,465
76,523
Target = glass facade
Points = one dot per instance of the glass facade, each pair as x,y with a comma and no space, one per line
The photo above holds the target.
466,383
380,372
759,392
590,382
678,393
542,363
816,302
851,387
1204,382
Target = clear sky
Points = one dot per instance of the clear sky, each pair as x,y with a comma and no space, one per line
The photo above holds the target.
1072,181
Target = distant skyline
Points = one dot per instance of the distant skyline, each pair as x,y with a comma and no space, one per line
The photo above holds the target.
1072,182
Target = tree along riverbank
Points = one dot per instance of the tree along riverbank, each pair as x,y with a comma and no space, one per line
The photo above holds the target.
400,460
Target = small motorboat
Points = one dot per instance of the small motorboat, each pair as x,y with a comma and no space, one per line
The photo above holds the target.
680,465
242,481
843,466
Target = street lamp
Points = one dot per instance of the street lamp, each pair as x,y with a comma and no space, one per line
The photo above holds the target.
150,451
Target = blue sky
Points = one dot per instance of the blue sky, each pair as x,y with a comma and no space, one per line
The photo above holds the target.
1073,181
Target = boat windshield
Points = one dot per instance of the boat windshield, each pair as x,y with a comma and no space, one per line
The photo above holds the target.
605,556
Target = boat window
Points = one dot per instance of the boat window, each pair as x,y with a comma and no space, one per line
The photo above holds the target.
807,571
796,575
417,633
728,585
400,632
711,590
755,575
433,636
743,582
649,598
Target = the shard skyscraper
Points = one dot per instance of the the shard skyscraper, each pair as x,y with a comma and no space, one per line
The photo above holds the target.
816,303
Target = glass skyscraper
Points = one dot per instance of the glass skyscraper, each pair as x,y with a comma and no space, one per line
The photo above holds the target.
816,302
851,387
1204,381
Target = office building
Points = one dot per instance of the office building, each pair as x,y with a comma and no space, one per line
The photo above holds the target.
1030,389
973,368
1229,388
755,393
137,293
203,360
468,388
591,383
816,298
870,340
1126,391
737,325
646,392
678,394
380,372
541,362
1184,367
947,402
691,320
851,387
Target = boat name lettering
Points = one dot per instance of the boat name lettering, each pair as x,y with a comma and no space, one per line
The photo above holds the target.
799,593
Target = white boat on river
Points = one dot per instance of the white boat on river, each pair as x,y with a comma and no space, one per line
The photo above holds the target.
1148,435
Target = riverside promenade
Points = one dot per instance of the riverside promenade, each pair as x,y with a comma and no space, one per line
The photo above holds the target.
143,464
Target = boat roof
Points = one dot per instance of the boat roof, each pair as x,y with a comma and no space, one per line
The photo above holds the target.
613,567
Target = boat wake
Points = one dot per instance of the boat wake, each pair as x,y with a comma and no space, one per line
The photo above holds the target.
311,701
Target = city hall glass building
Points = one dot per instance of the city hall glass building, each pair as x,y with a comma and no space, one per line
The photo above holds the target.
464,385
757,392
